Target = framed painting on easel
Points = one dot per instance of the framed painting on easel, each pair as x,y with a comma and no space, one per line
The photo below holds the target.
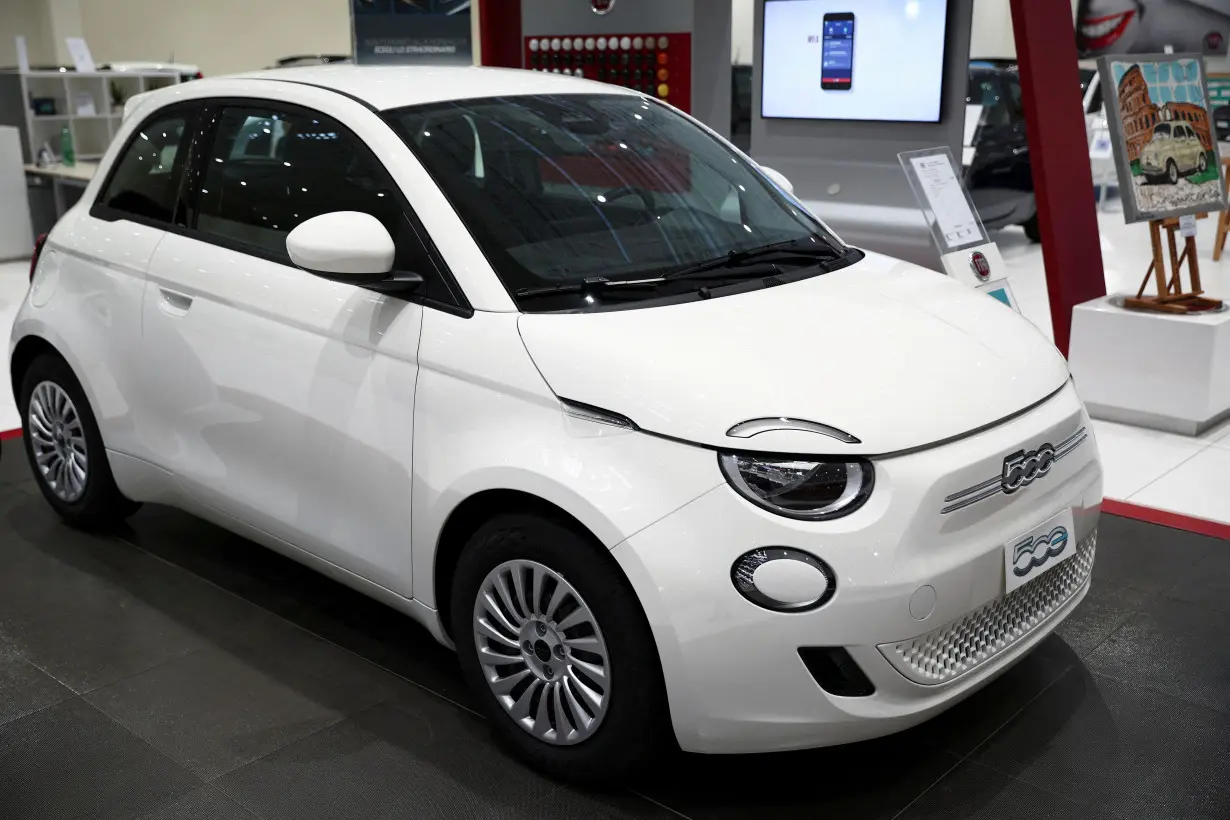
1168,164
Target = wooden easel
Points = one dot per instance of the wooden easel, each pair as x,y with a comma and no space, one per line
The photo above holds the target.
1223,221
1171,298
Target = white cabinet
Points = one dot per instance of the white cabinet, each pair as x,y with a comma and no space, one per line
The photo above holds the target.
41,103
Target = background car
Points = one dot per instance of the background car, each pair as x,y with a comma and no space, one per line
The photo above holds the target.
185,71
999,177
310,60
1091,89
1221,122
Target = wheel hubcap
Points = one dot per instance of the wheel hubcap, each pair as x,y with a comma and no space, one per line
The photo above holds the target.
542,652
57,439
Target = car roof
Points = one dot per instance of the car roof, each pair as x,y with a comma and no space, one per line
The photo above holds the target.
385,87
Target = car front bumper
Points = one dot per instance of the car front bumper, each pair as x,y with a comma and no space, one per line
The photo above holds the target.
735,678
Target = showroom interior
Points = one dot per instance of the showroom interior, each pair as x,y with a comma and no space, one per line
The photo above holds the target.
1025,188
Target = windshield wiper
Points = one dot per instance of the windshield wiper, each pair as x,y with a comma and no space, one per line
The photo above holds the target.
738,258
593,283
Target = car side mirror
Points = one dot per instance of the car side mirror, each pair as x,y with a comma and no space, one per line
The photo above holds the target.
778,179
343,246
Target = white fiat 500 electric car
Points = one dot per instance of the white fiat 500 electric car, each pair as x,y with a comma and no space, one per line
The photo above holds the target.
553,369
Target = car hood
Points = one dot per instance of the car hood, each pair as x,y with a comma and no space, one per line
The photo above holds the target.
895,355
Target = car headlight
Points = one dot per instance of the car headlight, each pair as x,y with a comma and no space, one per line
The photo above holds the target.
810,490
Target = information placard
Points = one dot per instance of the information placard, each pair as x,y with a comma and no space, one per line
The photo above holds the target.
945,203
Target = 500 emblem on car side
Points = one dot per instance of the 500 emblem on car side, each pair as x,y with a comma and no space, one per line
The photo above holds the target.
1023,468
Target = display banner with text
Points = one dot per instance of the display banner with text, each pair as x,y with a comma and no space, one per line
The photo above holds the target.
392,32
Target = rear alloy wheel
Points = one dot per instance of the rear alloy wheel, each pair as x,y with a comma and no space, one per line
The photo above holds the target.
57,440
65,447
556,648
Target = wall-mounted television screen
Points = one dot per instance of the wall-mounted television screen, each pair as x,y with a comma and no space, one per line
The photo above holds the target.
853,59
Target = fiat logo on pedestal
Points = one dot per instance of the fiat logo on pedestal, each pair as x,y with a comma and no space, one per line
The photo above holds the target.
980,266
602,6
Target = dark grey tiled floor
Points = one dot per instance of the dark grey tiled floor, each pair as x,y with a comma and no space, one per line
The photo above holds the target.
177,672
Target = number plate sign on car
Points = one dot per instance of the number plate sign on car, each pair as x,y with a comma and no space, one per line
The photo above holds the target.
1041,549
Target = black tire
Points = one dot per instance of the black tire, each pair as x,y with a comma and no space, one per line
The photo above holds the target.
1172,172
101,506
637,722
1031,229
1202,164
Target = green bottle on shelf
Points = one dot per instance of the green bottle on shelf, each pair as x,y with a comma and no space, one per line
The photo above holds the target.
68,157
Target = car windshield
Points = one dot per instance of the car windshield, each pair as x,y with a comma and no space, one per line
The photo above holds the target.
560,189
1162,131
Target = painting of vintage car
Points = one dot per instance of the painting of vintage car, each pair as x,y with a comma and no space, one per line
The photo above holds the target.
1166,149
1173,150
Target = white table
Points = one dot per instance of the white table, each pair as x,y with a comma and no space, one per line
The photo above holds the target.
61,176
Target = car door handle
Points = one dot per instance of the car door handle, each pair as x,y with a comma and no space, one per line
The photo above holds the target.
175,304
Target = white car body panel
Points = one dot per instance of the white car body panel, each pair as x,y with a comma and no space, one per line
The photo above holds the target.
345,427
262,383
476,383
386,87
961,555
811,351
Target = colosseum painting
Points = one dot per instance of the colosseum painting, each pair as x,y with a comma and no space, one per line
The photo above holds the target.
1166,150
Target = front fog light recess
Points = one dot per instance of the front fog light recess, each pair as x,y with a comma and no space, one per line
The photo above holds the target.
784,579
806,489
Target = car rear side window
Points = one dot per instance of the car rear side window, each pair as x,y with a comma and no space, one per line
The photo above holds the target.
269,170
146,180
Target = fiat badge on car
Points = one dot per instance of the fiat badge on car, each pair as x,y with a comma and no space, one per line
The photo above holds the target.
602,6
980,266
1023,468
1020,469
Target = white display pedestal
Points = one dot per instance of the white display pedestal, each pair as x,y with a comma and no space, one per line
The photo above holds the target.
1151,369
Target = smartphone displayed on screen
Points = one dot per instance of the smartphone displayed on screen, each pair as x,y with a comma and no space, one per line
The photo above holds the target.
837,54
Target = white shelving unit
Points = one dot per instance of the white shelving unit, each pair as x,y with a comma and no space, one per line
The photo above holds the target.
72,94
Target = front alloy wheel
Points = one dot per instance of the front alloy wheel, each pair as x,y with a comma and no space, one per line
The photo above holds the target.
542,652
542,616
57,440
1172,172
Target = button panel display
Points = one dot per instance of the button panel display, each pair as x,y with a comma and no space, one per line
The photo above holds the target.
658,65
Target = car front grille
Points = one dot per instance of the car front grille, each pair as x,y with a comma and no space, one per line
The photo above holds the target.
965,644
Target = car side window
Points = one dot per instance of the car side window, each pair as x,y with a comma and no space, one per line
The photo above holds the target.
990,96
146,179
269,170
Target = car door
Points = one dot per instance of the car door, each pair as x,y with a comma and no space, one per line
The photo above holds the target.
288,399
99,255
999,176
1192,148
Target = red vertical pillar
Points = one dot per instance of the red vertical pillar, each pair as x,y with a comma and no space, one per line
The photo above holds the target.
499,32
1059,157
